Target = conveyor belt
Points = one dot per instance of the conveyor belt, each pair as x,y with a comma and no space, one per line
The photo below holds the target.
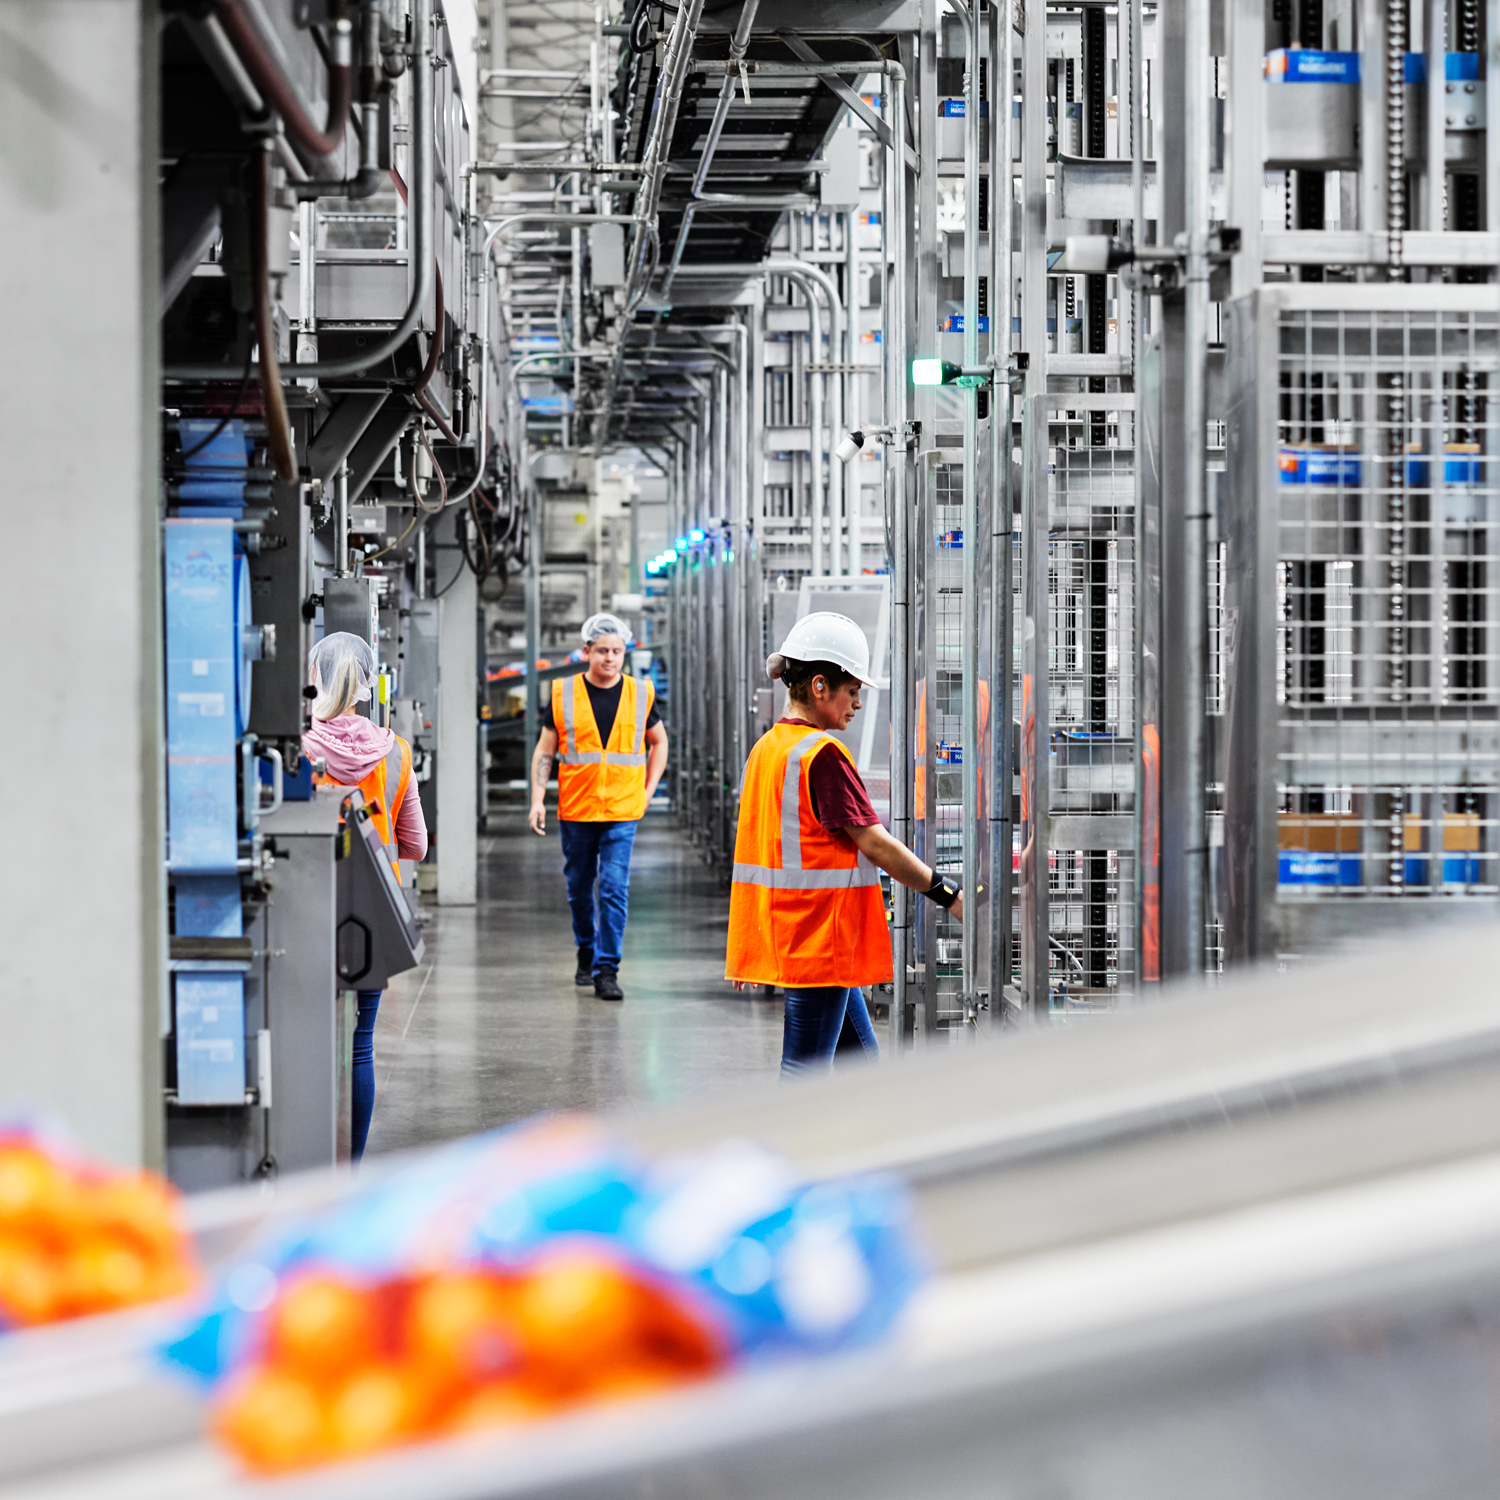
1247,1244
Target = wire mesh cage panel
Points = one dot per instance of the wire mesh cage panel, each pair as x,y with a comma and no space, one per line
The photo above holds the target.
1090,660
938,792
947,828
1363,752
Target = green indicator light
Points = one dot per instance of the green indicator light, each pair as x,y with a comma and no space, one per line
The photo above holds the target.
934,371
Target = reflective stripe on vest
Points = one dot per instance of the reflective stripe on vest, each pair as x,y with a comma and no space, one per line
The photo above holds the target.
570,755
805,906
601,785
384,810
791,876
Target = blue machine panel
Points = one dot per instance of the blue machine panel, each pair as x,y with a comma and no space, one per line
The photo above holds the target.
203,660
208,906
217,461
210,1039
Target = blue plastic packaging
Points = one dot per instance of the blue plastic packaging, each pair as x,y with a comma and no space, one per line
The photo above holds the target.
785,1266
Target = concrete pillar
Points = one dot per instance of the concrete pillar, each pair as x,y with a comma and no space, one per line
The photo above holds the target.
82,886
457,731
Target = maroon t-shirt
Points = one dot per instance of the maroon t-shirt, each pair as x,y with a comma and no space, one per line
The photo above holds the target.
839,798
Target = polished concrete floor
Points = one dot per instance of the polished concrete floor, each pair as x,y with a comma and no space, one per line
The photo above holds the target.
491,1029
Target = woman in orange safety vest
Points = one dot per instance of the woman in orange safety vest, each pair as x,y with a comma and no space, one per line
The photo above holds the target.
805,907
358,752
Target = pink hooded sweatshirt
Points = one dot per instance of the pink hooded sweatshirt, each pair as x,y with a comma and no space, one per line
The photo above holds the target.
353,746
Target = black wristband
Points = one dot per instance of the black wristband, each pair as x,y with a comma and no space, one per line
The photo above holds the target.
942,891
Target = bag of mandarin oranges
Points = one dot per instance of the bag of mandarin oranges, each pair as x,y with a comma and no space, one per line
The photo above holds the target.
530,1271
78,1237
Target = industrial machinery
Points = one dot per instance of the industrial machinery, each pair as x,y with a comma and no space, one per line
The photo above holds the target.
757,292
311,161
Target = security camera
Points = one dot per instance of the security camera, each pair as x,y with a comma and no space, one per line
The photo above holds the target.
849,445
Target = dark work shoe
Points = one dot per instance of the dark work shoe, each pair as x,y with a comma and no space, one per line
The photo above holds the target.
584,976
606,986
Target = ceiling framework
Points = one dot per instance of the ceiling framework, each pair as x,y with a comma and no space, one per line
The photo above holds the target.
548,60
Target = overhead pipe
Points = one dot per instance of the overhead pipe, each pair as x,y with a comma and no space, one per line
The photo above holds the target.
366,181
969,681
664,108
368,178
717,65
495,230
739,44
279,91
810,275
278,426
1002,509
900,563
853,535
422,262
1195,500
1145,834
777,201
224,62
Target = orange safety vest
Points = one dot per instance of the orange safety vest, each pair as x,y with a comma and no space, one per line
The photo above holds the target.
598,783
805,908
383,811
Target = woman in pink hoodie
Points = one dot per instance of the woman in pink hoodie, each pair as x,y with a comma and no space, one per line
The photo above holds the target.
357,752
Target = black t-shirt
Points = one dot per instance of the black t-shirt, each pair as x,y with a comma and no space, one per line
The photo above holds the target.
606,705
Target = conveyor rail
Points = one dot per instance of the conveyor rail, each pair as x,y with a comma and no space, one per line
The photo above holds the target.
1244,1244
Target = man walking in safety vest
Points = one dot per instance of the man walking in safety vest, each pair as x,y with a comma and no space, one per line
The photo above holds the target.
610,747
805,908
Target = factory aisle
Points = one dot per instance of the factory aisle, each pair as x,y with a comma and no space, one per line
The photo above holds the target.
491,1027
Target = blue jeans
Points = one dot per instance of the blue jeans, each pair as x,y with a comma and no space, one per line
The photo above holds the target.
362,1071
598,852
813,1021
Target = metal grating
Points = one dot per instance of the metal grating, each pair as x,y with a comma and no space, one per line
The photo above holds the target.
1386,673
1091,685
946,735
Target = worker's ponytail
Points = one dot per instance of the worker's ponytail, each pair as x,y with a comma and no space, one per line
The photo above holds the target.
340,693
342,667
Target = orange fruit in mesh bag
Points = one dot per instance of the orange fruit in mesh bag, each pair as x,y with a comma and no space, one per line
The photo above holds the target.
461,1327
31,1286
321,1326
37,1195
104,1271
142,1208
274,1420
577,1311
378,1405
677,1335
499,1403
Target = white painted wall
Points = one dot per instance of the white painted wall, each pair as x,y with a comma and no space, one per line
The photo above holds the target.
82,890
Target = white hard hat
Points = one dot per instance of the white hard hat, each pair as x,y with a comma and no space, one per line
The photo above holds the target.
825,637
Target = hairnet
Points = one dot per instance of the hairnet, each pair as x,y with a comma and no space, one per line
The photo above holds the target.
342,667
597,625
